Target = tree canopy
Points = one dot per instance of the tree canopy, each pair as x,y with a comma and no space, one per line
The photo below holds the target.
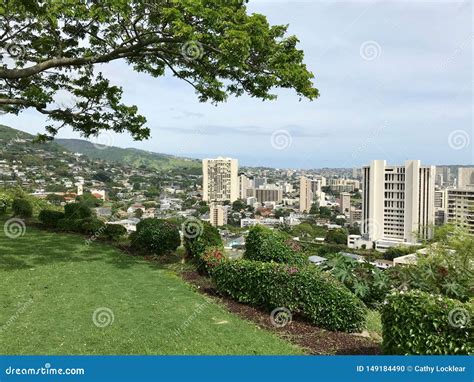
52,53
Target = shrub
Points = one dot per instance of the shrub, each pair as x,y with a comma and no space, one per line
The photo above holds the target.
336,236
5,202
211,258
77,211
92,226
114,231
70,225
22,208
198,236
366,281
398,251
314,294
417,322
156,236
445,269
264,244
50,218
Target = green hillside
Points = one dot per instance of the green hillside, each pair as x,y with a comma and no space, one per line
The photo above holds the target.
16,144
129,156
66,297
13,140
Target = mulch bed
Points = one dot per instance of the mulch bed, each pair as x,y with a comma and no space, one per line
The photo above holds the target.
314,340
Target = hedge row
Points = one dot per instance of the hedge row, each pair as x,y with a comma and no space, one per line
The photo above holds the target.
417,322
306,291
265,244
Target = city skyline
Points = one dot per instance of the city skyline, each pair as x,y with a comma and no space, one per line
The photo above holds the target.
393,85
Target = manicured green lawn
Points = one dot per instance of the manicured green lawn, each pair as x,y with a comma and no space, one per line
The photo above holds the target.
51,285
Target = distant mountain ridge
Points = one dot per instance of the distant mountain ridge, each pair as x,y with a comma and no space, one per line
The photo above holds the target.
129,156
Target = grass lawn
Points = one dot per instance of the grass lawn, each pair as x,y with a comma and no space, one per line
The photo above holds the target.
51,285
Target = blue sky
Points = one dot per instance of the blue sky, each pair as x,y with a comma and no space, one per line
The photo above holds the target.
395,80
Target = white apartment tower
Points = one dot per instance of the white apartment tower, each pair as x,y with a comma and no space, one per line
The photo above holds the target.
220,180
398,202
460,208
345,204
218,215
245,184
310,192
466,178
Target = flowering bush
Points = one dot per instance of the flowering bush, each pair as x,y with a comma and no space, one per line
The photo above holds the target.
212,257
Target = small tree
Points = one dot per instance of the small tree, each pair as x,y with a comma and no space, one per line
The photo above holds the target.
197,240
447,268
77,211
5,202
55,199
50,218
22,208
238,205
114,231
156,236
336,236
219,48
92,226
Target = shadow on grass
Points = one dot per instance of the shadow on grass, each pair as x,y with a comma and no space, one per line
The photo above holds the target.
38,248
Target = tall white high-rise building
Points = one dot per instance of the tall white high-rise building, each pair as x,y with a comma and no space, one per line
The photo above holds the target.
460,208
345,204
311,192
466,178
398,202
245,184
220,181
440,205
